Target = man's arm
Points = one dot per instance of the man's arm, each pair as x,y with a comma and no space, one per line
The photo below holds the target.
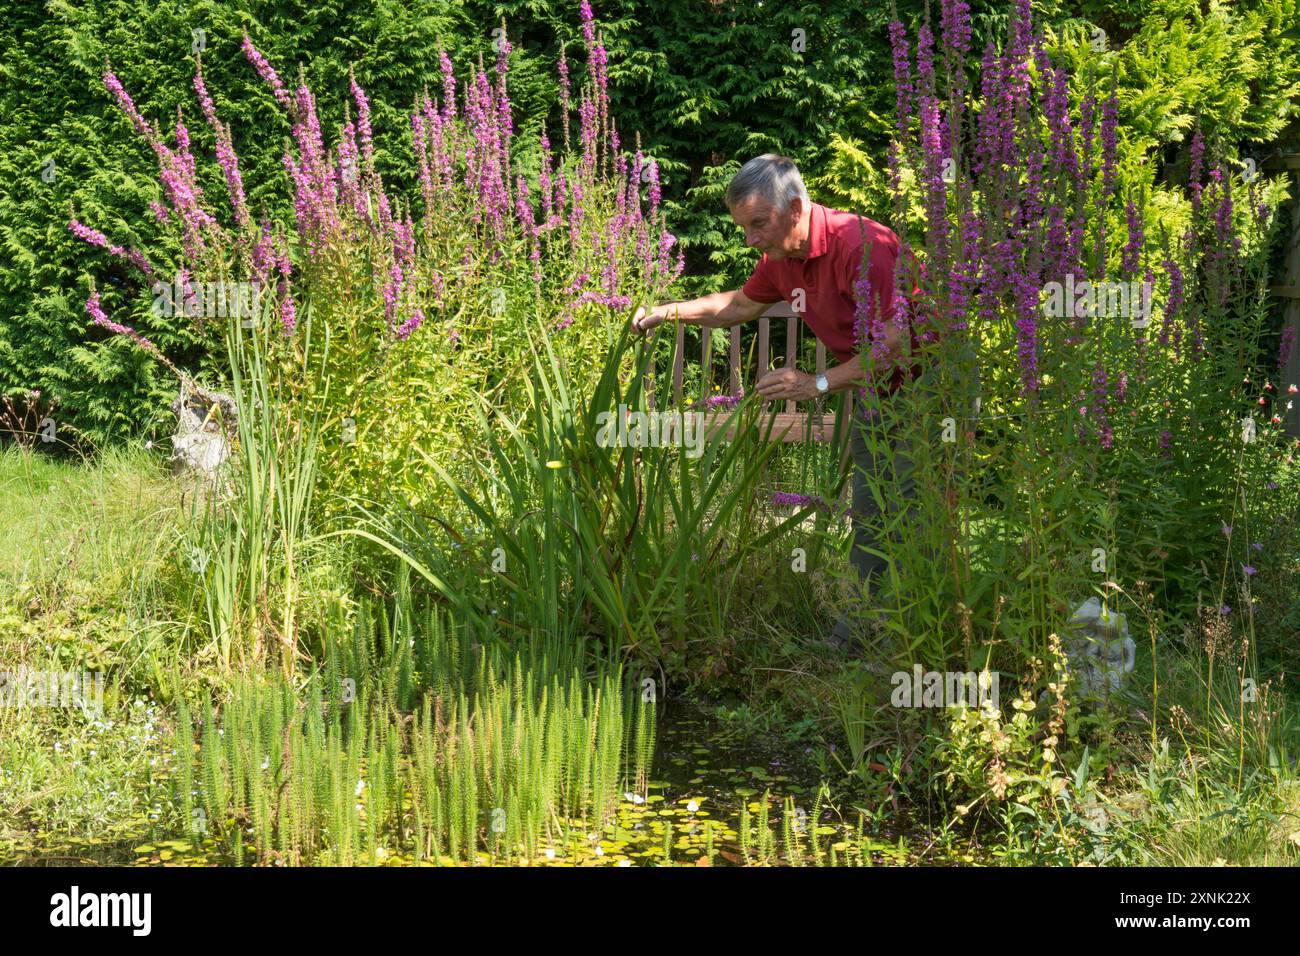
789,383
721,310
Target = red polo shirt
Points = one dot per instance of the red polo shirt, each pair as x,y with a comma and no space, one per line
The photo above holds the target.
827,276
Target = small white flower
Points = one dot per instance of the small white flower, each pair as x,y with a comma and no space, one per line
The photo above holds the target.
624,862
361,785
266,762
550,854
600,850
692,806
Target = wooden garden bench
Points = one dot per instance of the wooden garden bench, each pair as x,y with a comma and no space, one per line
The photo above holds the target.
790,424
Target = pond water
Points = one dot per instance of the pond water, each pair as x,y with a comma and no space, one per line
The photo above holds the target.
705,789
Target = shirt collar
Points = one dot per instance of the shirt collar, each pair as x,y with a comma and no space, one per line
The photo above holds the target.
816,230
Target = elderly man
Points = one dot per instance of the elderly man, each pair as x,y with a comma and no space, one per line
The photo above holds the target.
812,257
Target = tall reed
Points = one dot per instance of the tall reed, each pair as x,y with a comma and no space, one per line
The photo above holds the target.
455,753
251,540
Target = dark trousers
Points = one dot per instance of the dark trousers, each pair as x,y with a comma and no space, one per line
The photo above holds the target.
895,481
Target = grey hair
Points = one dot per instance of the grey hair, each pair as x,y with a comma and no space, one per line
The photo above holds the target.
773,177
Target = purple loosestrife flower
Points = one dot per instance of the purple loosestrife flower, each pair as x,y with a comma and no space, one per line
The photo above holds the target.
1027,334
613,301
363,119
544,178
392,292
1284,346
563,69
1134,247
1100,402
985,141
504,116
1109,127
86,234
1165,439
263,256
178,183
114,86
96,313
654,192
955,22
861,309
587,132
189,300
422,159
288,313
722,401
349,174
786,498
902,77
1175,302
226,156
403,233
267,73
666,242
183,145
1194,171
159,210
448,87
410,325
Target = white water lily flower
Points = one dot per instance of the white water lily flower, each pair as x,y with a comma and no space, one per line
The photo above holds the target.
600,851
550,854
692,806
624,862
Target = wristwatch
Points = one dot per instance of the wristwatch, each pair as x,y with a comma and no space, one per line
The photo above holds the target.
823,384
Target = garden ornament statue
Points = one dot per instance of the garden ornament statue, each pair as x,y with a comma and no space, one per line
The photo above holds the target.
201,443
1099,647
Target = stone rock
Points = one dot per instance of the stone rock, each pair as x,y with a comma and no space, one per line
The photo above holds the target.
204,426
1099,647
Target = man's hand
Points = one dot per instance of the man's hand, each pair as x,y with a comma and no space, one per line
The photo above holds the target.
645,320
787,383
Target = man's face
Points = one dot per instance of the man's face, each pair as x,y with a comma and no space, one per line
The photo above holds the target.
770,232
